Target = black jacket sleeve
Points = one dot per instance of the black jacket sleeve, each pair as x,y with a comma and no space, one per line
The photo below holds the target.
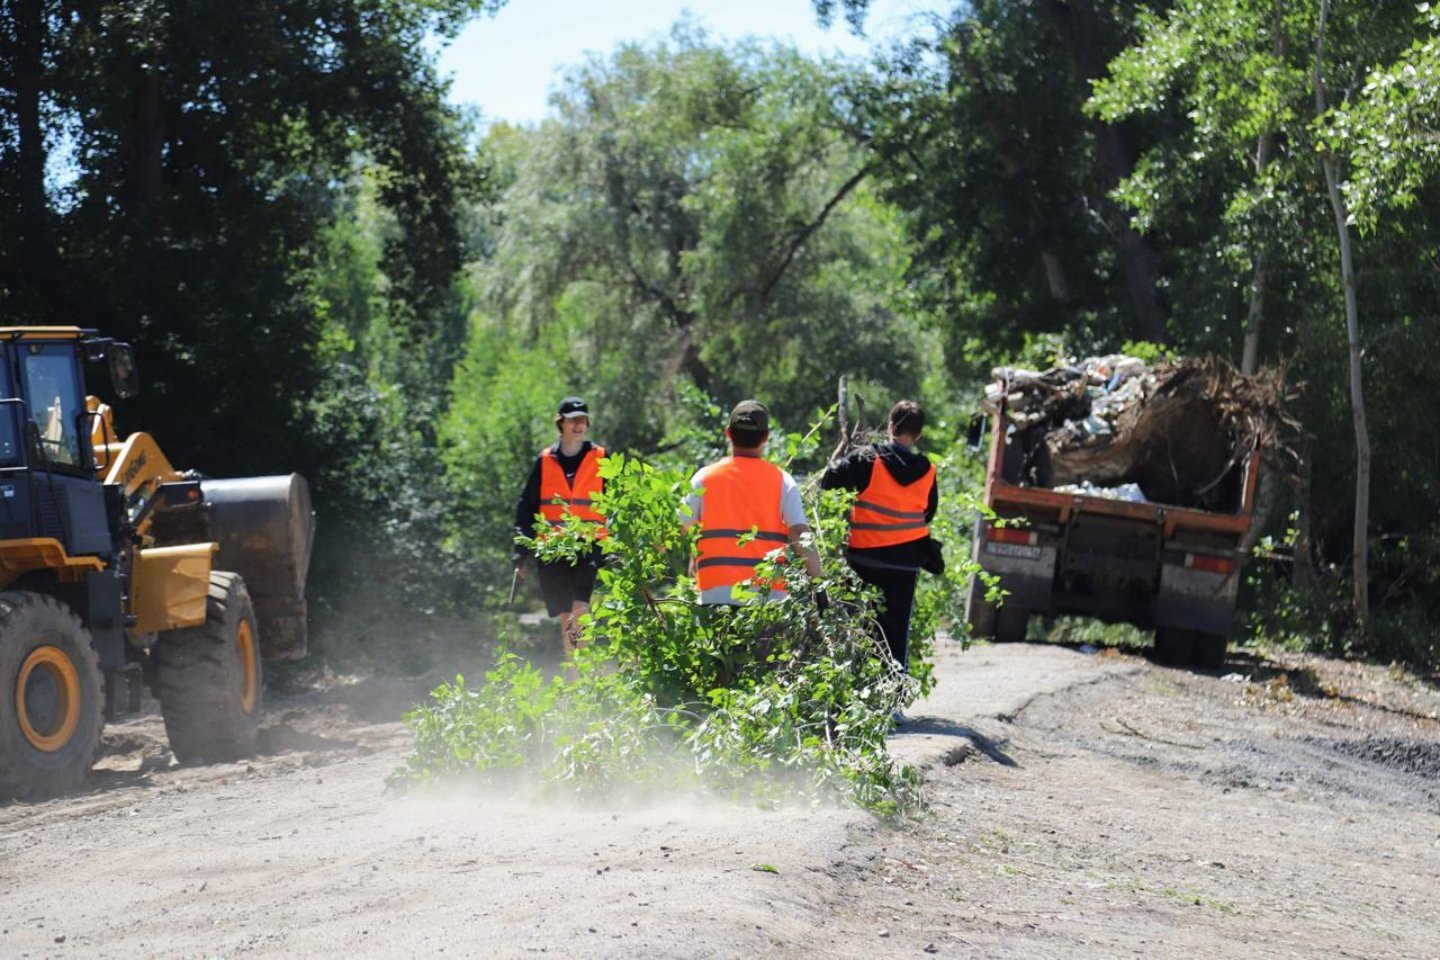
525,509
850,472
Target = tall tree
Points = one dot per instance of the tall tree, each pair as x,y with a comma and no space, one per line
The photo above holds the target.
1233,65
173,167
980,139
1390,127
1264,149
706,211
27,236
694,215
1330,167
1092,41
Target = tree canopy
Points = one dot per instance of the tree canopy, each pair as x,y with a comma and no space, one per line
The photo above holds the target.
169,172
327,267
695,217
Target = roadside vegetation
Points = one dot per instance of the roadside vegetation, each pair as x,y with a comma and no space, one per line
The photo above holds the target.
340,273
772,702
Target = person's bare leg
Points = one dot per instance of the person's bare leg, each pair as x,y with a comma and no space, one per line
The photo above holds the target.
578,608
567,633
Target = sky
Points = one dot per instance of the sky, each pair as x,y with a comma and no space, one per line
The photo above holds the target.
506,65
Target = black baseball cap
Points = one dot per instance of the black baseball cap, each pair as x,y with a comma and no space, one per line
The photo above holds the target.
573,407
750,415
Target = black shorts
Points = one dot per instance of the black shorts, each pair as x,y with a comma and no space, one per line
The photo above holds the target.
563,585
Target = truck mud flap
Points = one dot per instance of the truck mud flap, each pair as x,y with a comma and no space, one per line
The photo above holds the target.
1197,592
1023,559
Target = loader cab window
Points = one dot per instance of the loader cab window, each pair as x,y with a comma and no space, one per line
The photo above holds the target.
57,403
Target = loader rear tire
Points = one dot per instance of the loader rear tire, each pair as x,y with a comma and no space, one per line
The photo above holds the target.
209,678
51,697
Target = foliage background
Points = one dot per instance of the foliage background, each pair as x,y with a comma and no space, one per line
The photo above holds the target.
326,268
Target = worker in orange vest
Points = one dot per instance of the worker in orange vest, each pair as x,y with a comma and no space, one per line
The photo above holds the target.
741,495
563,481
889,539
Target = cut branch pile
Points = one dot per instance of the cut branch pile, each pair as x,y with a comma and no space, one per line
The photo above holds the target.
1180,431
852,434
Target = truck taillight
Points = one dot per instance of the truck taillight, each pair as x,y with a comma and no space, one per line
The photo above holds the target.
1012,535
1210,564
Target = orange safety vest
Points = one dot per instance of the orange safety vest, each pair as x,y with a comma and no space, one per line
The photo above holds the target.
741,494
576,497
887,513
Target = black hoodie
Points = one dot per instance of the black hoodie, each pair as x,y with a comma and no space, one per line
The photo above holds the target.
853,472
529,503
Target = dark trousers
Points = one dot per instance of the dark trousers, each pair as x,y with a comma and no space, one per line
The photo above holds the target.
897,590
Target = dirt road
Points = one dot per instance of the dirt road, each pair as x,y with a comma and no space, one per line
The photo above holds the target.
1083,806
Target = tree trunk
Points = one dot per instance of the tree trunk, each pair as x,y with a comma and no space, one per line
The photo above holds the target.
1080,26
1361,548
1302,573
1016,172
685,358
1250,359
38,258
147,165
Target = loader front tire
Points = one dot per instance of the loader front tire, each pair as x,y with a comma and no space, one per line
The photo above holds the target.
51,697
209,678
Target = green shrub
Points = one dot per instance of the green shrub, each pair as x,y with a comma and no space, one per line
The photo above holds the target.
763,701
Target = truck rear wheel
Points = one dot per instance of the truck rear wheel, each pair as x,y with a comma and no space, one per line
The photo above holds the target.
1174,646
1181,647
51,697
1208,650
209,678
1012,623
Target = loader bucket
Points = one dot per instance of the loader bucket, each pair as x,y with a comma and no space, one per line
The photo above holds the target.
265,528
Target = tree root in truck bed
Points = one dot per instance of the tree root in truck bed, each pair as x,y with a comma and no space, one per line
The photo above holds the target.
1180,430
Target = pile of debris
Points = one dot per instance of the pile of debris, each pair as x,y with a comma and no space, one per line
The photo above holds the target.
1176,432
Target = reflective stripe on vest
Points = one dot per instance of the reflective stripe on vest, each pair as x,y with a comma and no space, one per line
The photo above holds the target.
740,521
576,497
887,513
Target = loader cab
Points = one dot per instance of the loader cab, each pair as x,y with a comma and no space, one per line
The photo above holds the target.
48,487
54,392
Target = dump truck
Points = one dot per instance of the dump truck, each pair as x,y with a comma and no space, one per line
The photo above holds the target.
119,572
1167,557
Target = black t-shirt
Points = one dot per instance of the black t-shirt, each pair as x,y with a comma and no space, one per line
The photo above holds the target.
529,503
853,472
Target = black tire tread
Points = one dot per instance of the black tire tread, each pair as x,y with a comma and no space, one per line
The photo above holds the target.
198,680
18,778
1174,646
1012,623
1209,650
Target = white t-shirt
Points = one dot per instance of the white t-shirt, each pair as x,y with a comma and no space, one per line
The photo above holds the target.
792,512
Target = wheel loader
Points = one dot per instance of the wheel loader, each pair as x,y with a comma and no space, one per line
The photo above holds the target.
118,572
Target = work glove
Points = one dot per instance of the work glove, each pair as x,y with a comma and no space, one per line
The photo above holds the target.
822,601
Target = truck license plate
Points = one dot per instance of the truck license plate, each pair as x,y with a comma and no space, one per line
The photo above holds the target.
1013,550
